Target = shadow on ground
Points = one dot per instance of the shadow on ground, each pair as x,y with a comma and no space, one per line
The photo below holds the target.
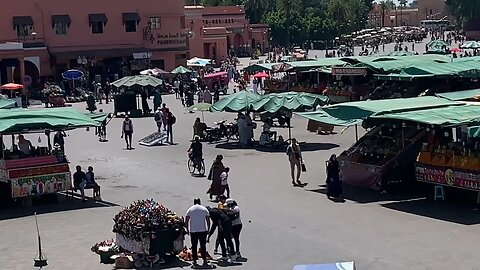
305,147
49,204
362,195
174,263
417,199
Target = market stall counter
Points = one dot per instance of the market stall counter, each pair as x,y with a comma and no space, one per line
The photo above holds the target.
381,157
37,175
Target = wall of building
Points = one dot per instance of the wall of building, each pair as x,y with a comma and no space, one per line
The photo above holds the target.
432,9
240,36
165,42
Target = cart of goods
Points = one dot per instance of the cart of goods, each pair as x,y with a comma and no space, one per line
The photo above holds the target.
149,228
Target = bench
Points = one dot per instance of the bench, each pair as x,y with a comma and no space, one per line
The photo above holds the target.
73,190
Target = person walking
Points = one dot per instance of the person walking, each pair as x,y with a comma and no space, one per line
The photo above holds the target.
127,131
164,116
295,158
236,224
224,178
334,184
214,175
171,120
157,100
107,92
197,224
158,119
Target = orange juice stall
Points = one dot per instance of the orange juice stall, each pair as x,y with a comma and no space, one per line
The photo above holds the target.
450,156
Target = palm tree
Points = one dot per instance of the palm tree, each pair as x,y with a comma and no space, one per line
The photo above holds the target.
385,6
403,3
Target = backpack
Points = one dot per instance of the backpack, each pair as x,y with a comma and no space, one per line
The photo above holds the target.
173,119
157,117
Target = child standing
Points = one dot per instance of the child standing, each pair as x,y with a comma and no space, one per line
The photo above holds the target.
224,178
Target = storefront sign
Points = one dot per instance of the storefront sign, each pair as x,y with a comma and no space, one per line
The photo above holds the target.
143,55
39,185
27,172
350,71
448,177
171,39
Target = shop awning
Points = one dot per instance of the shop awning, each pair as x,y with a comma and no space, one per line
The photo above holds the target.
350,113
399,77
443,116
130,16
65,19
22,20
97,117
97,53
259,67
460,95
469,69
33,120
99,17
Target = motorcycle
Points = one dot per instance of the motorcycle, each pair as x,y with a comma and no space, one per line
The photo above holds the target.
221,130
216,133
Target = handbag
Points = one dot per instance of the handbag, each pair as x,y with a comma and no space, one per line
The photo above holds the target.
304,168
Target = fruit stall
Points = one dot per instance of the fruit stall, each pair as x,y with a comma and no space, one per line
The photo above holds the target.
381,157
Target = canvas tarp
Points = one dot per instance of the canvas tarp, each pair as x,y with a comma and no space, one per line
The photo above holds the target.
7,103
460,95
28,120
238,102
443,116
351,113
289,102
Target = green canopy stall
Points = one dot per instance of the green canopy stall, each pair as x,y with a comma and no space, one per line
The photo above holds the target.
238,102
42,169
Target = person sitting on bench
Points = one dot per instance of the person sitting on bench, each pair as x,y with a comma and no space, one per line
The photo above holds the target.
79,181
267,134
91,182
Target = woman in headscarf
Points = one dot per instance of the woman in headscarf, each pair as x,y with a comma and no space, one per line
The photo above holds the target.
334,185
215,171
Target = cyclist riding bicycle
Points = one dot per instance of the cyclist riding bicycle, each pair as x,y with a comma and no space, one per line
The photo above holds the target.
195,151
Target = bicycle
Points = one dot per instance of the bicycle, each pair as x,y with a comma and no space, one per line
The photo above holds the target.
198,165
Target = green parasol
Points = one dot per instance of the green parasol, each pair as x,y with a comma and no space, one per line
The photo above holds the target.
138,80
181,70
200,107
238,102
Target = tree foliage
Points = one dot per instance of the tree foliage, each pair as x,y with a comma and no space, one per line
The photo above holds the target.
300,21
464,10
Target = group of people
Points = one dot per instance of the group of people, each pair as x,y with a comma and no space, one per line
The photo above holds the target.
164,117
201,223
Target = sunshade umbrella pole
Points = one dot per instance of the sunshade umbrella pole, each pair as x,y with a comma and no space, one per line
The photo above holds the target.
356,132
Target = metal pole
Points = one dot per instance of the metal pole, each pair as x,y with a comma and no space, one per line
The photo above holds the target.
356,132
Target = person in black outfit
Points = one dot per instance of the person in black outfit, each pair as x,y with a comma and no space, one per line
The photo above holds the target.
170,121
106,91
145,107
58,139
79,181
195,150
224,224
181,90
334,185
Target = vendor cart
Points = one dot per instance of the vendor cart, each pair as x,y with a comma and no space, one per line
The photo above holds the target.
45,170
219,80
167,243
